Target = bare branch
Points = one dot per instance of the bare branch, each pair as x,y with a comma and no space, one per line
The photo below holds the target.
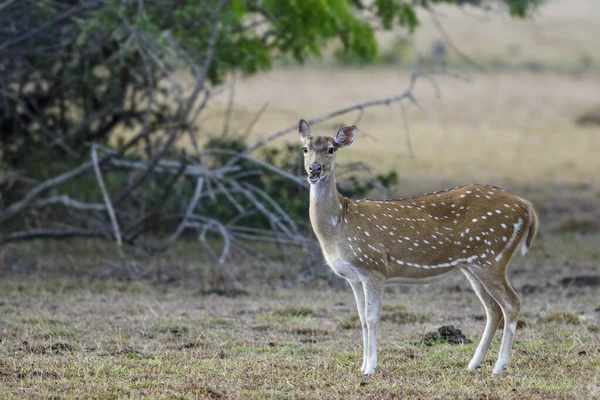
188,213
341,111
69,202
407,132
109,207
223,232
41,188
208,59
34,32
450,42
254,121
49,234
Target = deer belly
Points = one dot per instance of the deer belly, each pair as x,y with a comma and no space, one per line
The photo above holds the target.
343,268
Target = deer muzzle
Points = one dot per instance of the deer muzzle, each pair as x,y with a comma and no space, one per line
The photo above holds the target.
315,171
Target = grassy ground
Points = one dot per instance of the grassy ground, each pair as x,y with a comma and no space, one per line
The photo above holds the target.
88,336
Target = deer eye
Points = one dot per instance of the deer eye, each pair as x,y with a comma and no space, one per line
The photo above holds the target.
331,150
305,150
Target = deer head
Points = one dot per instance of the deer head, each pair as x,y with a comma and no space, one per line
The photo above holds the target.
319,150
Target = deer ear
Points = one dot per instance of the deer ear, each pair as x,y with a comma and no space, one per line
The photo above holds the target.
304,129
345,136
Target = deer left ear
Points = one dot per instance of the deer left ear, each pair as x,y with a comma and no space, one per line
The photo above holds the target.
303,129
345,136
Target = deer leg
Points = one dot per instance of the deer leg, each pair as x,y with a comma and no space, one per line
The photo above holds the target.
493,314
510,303
373,287
359,296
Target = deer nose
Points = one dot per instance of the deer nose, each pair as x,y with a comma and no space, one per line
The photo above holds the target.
315,168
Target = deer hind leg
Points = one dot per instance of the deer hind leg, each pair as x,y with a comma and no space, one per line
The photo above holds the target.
373,288
493,314
359,296
498,287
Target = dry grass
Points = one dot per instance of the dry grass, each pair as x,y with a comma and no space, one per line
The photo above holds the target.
503,128
171,343
81,336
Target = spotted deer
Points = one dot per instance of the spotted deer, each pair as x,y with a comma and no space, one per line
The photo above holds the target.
370,243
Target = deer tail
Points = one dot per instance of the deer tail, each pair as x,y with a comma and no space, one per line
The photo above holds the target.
531,230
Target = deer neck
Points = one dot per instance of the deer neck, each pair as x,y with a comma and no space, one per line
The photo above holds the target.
326,209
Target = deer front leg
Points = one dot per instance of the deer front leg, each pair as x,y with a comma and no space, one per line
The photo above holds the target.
493,314
359,296
373,287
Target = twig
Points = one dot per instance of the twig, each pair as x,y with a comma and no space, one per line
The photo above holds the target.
154,162
407,132
254,121
109,207
135,228
272,168
69,202
208,59
188,213
41,188
49,234
64,177
451,43
230,103
360,115
30,34
222,230
360,106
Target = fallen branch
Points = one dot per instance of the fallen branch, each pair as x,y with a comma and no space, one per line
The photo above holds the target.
105,196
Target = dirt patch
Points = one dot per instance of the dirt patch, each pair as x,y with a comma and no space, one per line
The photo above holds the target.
522,323
530,289
56,348
404,317
563,317
226,292
312,331
262,328
295,312
445,334
589,117
129,352
192,345
213,393
61,347
581,281
19,374
578,225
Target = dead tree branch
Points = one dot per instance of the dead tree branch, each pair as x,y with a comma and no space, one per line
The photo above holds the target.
105,196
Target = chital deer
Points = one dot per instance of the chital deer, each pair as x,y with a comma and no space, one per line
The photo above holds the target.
473,228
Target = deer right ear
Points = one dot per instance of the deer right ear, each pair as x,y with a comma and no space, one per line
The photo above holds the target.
304,129
345,136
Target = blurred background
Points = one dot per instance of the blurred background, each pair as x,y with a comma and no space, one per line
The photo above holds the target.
148,125
154,233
